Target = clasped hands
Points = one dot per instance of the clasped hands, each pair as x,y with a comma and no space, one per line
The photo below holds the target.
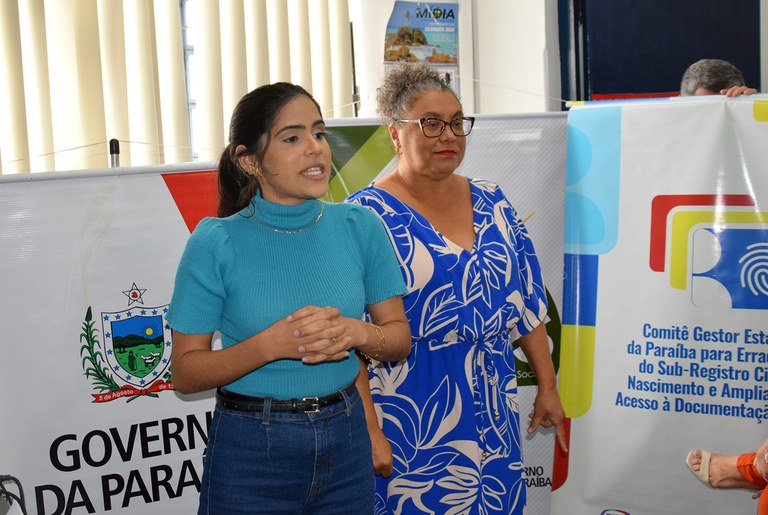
314,334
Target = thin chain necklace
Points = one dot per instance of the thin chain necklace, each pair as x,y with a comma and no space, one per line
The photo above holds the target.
295,231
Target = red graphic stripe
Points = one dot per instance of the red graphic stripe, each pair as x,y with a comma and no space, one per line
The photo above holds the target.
663,204
560,466
620,96
196,194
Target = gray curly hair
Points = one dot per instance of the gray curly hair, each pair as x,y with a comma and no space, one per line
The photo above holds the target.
712,75
402,85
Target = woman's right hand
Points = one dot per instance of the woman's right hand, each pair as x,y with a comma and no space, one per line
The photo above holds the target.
315,334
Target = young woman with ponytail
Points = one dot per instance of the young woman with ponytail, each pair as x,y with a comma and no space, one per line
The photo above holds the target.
285,278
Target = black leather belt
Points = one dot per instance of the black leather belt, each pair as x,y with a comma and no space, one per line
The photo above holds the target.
240,402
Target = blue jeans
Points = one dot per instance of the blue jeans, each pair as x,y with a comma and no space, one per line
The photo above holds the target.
282,462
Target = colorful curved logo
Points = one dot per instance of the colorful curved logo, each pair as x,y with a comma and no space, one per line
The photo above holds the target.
715,246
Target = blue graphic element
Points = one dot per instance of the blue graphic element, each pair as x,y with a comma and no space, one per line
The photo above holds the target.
578,163
593,163
139,325
586,219
743,266
580,290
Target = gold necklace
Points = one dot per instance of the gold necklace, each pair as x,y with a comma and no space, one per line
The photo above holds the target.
295,231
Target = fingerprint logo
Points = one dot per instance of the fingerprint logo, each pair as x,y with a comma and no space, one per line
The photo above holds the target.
729,266
754,269
715,246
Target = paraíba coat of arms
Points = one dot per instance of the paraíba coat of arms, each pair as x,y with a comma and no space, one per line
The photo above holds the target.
132,358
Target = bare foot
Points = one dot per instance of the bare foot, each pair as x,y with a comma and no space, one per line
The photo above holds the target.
722,471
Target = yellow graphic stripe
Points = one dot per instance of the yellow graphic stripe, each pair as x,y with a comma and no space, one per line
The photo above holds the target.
684,221
760,110
577,368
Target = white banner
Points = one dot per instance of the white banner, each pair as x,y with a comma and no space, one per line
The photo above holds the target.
90,422
525,155
665,341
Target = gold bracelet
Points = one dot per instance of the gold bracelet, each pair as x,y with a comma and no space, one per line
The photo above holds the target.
379,342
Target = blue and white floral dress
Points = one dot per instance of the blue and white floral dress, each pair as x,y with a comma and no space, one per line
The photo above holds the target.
450,410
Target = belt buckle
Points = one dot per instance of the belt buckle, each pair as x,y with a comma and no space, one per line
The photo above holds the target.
315,407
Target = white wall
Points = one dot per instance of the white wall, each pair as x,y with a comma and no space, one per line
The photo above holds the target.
516,42
512,77
508,53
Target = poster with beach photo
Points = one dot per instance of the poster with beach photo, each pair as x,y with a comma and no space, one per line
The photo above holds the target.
426,33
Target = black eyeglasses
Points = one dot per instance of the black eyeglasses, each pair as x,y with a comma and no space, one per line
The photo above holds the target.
434,127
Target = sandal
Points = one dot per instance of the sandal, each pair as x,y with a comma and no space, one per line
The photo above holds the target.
703,473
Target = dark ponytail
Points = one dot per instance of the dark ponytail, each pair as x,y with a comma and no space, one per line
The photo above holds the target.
236,187
250,126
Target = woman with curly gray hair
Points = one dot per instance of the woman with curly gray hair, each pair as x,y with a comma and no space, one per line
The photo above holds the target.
449,411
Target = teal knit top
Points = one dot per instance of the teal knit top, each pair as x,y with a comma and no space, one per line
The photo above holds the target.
239,275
